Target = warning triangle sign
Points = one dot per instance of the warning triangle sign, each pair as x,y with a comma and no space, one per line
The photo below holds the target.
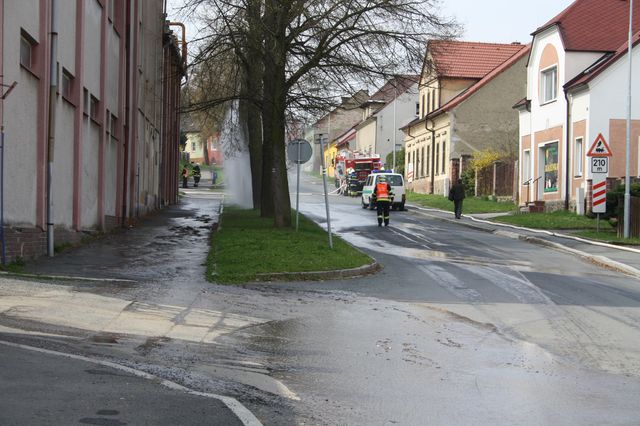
600,148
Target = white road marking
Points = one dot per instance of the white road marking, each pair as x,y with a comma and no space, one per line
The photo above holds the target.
244,415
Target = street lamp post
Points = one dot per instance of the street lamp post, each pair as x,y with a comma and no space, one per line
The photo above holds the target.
627,179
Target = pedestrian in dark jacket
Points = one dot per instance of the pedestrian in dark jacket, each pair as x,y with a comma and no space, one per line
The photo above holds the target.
456,194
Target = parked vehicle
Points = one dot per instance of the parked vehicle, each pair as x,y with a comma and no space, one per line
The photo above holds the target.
396,181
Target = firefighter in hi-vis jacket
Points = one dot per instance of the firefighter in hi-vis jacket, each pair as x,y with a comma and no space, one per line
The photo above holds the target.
383,195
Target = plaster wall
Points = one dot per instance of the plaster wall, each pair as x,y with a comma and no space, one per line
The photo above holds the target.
487,120
609,102
91,131
20,112
366,138
67,35
111,176
113,71
405,111
93,21
61,185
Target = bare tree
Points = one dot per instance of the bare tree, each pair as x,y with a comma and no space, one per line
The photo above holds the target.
305,50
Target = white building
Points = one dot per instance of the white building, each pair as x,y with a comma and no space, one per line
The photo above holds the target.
577,80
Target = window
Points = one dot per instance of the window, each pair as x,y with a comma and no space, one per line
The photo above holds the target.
27,47
93,107
550,156
548,84
435,169
424,107
428,107
112,126
428,159
526,166
444,154
424,160
193,148
578,158
67,84
418,108
433,101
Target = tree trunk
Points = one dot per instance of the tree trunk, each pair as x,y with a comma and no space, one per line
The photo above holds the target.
273,119
253,97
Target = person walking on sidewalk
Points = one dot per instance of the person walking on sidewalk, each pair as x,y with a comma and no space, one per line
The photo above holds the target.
456,194
383,194
185,177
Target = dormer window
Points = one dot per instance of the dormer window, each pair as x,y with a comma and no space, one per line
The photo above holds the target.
549,84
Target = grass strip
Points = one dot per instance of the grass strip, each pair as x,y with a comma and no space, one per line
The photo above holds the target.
560,219
608,236
247,244
470,205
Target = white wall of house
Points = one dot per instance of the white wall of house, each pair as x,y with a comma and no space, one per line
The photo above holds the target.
366,138
609,95
551,114
404,108
20,112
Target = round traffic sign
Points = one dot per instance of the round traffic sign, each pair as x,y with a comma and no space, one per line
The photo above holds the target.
299,151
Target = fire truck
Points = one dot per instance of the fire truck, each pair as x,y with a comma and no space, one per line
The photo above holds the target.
352,170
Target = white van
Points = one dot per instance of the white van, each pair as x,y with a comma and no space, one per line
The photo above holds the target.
397,187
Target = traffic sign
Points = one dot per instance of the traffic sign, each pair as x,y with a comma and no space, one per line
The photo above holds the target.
599,148
599,193
599,165
299,151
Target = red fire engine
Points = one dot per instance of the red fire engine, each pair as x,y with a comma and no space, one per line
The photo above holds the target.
352,170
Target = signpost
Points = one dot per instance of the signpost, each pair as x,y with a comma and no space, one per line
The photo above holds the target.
299,151
599,153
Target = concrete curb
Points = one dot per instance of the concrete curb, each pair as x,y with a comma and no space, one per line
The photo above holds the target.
64,277
601,261
358,272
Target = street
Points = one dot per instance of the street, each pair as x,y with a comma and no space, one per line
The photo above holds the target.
460,327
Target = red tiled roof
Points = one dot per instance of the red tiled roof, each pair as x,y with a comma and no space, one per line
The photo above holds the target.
464,59
476,86
594,25
487,78
394,87
604,63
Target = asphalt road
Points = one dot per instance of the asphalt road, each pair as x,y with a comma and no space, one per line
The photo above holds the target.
461,326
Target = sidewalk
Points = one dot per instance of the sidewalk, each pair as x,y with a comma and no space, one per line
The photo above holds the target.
618,258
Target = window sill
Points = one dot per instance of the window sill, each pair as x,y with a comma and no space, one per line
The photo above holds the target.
30,71
549,102
69,101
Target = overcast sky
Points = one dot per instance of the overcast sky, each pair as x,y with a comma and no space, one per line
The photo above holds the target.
499,21
502,21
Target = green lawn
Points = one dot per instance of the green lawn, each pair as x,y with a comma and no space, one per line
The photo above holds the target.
607,235
556,220
470,204
246,245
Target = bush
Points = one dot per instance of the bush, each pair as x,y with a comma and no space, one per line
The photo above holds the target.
469,180
615,199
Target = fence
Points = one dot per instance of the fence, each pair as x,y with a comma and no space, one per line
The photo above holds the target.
496,180
634,218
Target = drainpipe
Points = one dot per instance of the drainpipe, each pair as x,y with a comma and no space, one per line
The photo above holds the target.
432,129
53,87
567,171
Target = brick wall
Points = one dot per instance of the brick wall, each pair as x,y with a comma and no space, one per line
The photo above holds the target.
26,243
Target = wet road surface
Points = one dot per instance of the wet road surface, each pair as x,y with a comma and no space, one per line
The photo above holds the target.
461,327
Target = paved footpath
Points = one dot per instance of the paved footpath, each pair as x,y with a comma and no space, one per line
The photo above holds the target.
59,388
625,259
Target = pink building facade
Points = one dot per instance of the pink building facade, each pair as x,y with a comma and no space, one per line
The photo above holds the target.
114,154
